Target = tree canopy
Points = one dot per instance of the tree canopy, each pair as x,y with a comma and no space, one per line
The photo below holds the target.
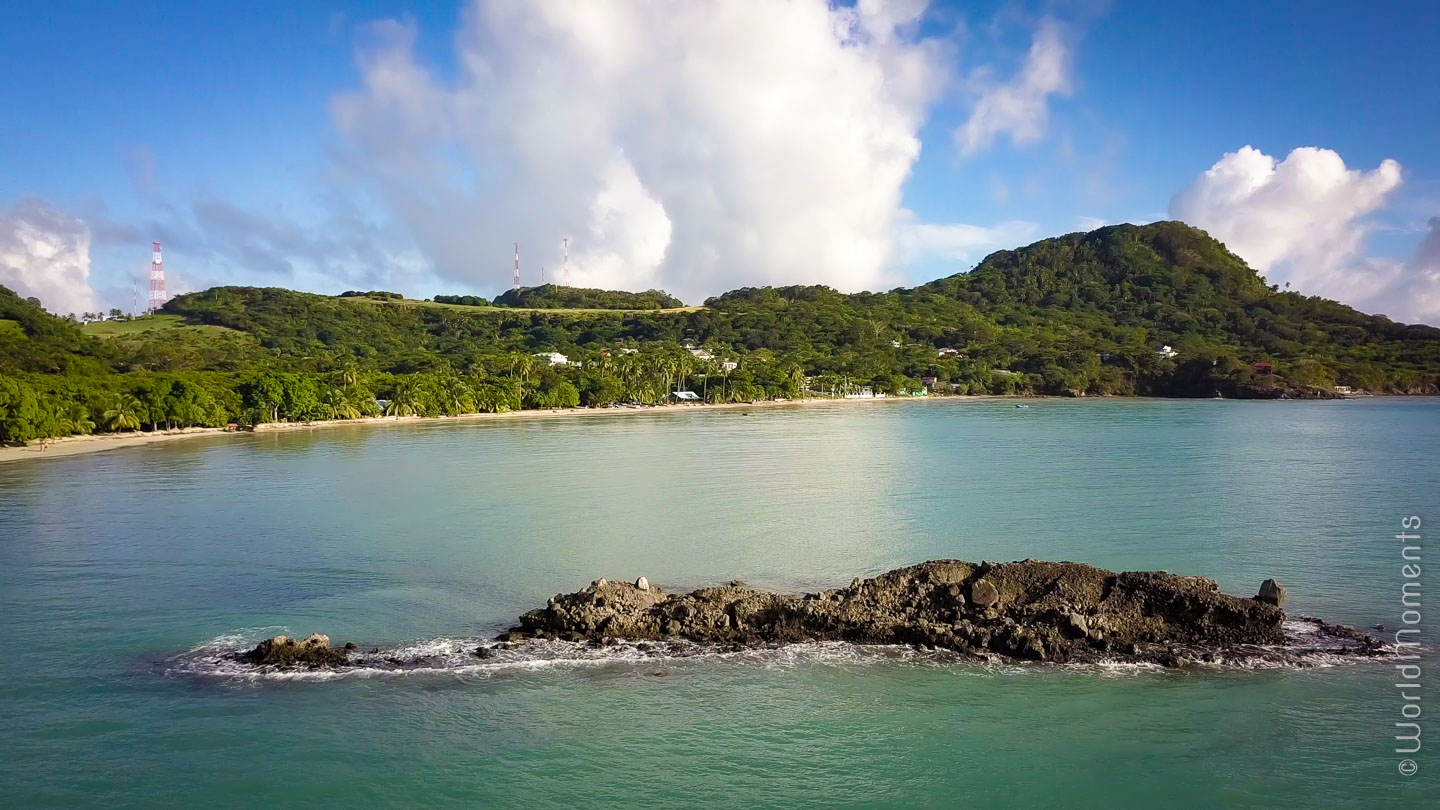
1160,309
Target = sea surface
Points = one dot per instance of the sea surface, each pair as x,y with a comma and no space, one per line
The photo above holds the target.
126,577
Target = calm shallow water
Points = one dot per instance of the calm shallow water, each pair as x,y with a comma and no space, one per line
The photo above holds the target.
112,566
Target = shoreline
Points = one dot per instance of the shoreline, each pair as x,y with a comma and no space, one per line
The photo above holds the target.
101,442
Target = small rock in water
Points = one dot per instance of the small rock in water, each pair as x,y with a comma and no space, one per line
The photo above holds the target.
1271,592
314,652
643,584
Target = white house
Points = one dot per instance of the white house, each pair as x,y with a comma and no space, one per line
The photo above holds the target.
553,358
1167,352
948,351
701,354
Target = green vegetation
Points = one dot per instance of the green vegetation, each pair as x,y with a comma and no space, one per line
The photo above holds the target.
1083,314
554,296
379,295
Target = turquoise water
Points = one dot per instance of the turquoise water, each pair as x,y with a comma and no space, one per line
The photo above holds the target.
122,574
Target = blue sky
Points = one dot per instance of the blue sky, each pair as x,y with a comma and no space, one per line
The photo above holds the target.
266,144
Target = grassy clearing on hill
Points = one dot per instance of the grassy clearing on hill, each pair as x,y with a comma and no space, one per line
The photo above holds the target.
147,323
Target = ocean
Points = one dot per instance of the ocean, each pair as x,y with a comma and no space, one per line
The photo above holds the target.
128,577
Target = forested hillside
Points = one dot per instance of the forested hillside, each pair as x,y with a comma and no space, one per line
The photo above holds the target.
1082,314
555,296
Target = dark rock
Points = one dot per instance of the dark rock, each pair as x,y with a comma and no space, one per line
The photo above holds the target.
1031,610
1271,593
284,652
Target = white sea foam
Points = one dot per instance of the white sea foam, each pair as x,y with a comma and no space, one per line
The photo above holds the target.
1310,645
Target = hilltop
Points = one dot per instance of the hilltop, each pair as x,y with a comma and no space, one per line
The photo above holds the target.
1159,309
554,296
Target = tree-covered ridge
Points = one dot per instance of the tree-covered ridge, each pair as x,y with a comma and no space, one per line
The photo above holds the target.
1159,309
555,296
33,340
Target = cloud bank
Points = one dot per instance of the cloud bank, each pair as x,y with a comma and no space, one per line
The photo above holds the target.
1303,220
45,254
695,147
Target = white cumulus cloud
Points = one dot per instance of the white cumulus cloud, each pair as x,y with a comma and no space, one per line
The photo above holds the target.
1020,107
1417,289
45,254
694,146
1304,220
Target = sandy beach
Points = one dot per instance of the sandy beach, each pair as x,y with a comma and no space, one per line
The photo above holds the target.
78,445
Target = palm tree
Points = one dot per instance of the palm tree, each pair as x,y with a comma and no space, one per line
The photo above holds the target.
407,400
123,414
684,366
350,376
797,379
77,418
335,405
523,366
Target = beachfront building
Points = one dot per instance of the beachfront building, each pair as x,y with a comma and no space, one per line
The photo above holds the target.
684,396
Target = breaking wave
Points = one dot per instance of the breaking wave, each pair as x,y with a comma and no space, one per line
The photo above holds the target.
1311,645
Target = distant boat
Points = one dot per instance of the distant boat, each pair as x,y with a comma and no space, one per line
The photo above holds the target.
1022,406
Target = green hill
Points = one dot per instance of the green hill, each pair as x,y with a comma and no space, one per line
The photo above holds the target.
555,296
1081,314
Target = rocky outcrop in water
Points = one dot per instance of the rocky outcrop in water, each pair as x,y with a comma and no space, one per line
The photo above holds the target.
1030,610
283,652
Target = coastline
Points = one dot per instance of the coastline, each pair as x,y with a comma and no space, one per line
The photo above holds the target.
101,442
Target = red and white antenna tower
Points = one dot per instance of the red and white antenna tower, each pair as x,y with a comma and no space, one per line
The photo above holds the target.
157,281
565,275
517,265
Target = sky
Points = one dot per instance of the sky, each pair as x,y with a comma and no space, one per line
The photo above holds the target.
709,145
